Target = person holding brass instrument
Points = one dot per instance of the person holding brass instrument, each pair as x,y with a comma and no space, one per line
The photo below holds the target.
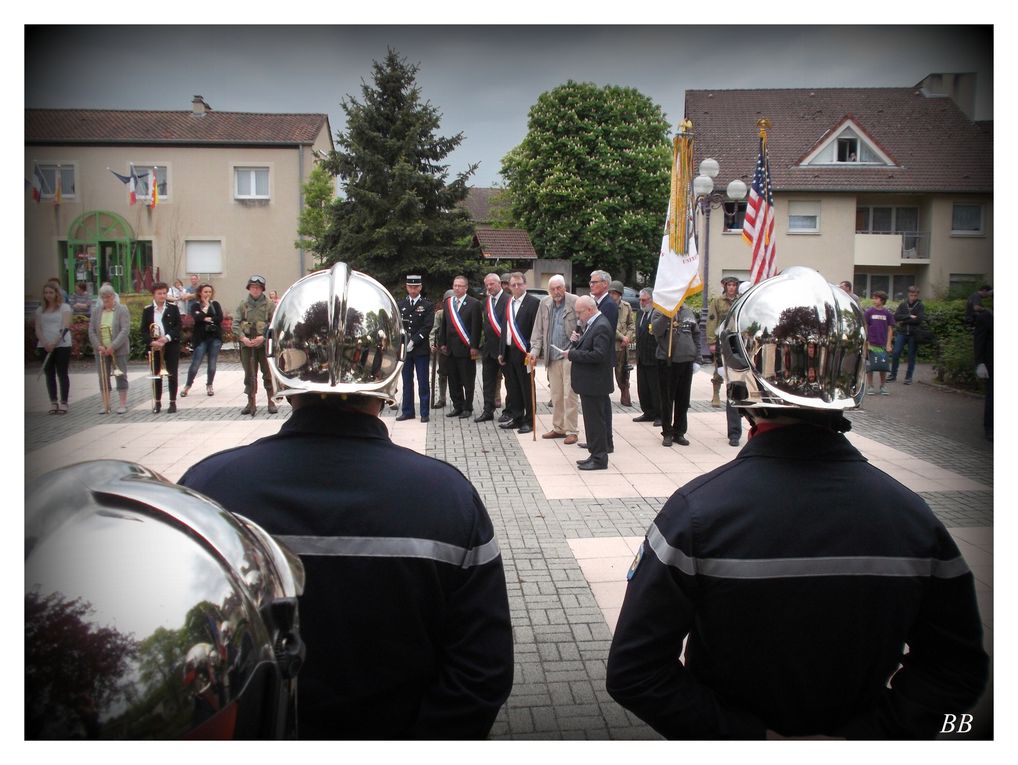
206,337
160,326
253,317
53,344
109,331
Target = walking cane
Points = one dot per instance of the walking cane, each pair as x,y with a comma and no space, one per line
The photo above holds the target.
533,397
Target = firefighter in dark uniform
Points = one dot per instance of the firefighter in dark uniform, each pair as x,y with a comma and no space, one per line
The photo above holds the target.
717,310
405,611
797,571
418,314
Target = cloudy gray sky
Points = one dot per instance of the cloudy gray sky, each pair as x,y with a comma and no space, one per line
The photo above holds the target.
483,79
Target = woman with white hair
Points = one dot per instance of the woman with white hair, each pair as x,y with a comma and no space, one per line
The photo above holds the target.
109,331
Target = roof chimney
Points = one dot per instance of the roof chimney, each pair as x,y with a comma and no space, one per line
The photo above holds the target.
198,106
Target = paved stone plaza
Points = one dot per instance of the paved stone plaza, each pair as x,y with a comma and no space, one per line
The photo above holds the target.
567,538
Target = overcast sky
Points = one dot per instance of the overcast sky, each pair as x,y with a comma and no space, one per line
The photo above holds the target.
483,79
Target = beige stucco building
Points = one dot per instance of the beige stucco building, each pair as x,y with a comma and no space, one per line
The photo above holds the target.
885,187
228,197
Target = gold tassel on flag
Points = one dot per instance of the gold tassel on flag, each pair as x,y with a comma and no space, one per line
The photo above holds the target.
682,179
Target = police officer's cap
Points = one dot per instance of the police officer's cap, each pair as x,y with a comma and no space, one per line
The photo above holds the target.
413,279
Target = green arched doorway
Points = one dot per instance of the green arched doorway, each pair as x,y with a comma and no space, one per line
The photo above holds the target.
101,248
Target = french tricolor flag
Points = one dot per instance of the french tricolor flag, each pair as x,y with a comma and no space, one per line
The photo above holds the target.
132,184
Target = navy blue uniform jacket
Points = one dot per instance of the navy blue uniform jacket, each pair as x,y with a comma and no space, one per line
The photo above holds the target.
799,573
404,613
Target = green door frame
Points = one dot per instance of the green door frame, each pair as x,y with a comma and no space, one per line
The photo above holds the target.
90,232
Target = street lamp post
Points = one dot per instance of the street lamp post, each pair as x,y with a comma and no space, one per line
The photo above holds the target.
707,199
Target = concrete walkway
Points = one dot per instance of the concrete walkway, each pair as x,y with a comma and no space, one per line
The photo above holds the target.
567,537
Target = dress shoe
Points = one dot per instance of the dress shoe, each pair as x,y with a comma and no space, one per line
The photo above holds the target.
504,418
570,439
484,417
681,441
440,404
643,418
510,424
611,448
401,417
582,445
525,429
157,408
172,408
666,441
454,413
733,442
657,423
584,462
553,434
466,414
592,466
424,418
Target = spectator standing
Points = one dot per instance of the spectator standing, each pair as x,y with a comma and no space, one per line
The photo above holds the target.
593,359
599,283
514,348
206,338
460,338
109,332
492,326
983,352
879,336
53,346
908,317
556,319
976,299
441,358
717,311
82,301
253,317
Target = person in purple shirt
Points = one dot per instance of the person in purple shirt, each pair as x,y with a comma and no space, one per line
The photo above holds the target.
879,334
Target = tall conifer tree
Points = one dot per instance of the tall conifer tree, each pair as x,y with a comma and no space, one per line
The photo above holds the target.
398,213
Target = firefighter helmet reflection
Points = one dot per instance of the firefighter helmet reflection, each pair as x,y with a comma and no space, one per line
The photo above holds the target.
794,341
337,331
151,612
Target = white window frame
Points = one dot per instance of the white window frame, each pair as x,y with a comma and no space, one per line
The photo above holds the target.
202,267
146,167
252,170
969,232
798,209
59,167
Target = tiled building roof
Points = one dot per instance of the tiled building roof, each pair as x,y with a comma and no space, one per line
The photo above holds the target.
504,243
936,147
478,203
103,126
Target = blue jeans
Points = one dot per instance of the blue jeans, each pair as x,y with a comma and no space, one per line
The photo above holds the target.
211,346
899,344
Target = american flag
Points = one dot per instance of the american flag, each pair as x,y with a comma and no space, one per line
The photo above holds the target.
758,228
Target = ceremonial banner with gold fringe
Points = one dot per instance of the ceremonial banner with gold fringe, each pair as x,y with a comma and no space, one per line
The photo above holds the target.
678,268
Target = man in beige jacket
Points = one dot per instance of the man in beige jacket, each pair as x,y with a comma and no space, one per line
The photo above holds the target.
556,320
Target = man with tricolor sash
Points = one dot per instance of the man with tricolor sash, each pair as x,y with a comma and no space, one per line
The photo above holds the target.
460,338
520,313
492,321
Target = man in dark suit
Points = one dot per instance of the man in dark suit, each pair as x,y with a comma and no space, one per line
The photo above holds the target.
493,308
418,313
460,338
160,326
600,281
518,324
593,361
646,362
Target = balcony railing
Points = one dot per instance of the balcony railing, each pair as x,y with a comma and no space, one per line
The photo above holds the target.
914,245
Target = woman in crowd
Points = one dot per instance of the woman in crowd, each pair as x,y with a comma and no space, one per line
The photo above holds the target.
53,333
206,337
176,295
274,296
109,331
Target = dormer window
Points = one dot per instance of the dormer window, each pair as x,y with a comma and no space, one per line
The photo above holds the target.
848,150
847,144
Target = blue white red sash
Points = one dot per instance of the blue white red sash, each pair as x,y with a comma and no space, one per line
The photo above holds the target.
492,320
515,335
457,322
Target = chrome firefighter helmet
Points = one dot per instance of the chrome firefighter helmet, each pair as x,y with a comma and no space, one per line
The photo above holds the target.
337,331
151,612
794,341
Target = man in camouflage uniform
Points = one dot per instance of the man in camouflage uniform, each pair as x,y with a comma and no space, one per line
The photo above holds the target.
717,311
253,316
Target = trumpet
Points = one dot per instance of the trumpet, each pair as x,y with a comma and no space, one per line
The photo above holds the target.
107,339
